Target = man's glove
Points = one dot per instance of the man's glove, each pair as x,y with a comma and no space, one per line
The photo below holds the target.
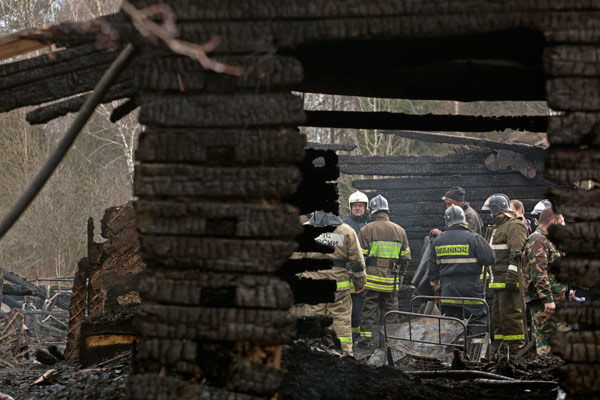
436,285
512,278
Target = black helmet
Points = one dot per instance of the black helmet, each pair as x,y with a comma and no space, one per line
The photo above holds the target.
496,203
454,215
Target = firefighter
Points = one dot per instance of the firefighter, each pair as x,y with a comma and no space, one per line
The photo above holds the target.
385,246
542,290
517,206
537,209
455,267
346,250
358,217
456,196
507,238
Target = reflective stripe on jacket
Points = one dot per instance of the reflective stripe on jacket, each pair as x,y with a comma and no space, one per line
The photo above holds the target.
456,260
383,242
509,234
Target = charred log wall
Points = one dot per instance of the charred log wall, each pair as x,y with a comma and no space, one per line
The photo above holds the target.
215,181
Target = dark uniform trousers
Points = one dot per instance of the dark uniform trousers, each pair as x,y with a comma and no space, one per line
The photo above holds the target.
375,305
508,319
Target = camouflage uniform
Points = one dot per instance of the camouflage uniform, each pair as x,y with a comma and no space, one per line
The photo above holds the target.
508,235
382,242
541,287
348,250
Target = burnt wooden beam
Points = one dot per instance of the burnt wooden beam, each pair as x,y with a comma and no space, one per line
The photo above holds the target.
331,146
43,114
535,151
426,122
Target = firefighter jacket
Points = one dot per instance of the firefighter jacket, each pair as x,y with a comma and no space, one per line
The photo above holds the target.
508,235
346,249
383,243
538,254
456,260
474,221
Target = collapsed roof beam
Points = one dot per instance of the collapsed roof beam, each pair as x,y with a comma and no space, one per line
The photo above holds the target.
427,122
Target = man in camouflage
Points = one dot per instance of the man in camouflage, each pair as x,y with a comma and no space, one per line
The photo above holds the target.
508,236
542,290
385,246
346,250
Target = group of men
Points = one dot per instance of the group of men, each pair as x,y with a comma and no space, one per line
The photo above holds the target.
371,256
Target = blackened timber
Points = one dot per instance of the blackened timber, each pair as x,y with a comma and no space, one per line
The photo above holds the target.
240,110
205,218
466,179
577,269
417,165
587,313
214,254
216,323
212,182
576,203
581,379
574,128
218,290
572,60
574,93
399,207
432,193
331,146
576,237
426,122
43,114
183,74
212,147
534,151
577,347
573,163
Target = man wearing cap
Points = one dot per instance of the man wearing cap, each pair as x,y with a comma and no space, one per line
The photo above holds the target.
456,196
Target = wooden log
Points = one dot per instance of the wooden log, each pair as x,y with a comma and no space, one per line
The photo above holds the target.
428,194
206,218
587,313
400,208
240,110
570,163
77,309
171,73
581,378
576,203
578,237
8,289
190,180
577,346
220,324
400,123
331,146
464,179
190,10
572,60
154,387
217,289
214,254
1,288
221,147
575,269
573,93
47,113
36,290
574,128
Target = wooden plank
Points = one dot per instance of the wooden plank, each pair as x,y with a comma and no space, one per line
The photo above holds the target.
574,128
242,147
572,163
573,93
399,123
216,254
576,203
239,110
174,180
427,194
572,60
206,218
464,179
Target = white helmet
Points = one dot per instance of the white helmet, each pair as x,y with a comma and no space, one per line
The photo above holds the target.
539,207
358,197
